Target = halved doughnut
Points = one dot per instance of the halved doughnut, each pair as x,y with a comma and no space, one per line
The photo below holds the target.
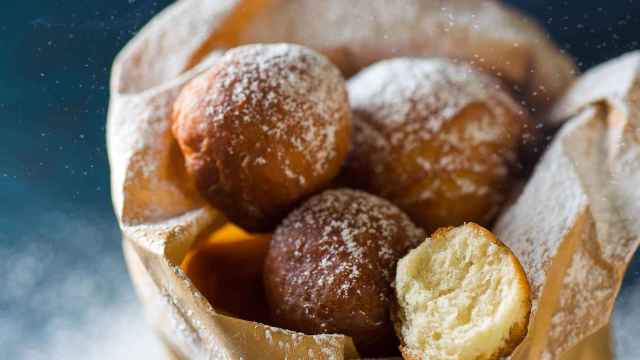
461,295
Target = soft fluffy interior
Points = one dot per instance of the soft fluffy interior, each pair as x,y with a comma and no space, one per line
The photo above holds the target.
459,296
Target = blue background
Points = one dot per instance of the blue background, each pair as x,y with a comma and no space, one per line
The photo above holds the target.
60,255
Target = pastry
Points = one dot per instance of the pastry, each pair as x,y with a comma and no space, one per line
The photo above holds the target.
437,138
461,295
266,126
330,266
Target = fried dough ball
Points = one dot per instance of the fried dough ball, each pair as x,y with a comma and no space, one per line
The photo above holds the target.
330,265
462,295
227,269
437,138
266,126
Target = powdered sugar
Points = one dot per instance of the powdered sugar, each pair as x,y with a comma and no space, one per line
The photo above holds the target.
341,244
419,121
349,222
423,95
291,97
520,227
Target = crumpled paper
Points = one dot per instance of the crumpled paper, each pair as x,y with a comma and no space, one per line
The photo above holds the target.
160,212
575,227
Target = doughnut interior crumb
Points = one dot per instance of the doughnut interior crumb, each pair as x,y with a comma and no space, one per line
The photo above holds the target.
461,295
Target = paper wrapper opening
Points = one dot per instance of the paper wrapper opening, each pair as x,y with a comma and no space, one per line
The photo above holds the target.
162,215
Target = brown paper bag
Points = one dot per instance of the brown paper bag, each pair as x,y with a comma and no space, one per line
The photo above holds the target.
575,227
158,209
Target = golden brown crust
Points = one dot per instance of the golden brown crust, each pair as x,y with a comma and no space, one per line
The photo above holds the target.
266,126
519,330
438,139
330,266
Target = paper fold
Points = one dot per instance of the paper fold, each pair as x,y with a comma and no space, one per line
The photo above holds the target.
575,227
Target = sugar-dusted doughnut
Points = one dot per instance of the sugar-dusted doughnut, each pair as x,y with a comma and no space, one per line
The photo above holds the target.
437,138
330,266
264,127
462,295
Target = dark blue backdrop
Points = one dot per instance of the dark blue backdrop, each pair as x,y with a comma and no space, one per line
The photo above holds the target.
55,211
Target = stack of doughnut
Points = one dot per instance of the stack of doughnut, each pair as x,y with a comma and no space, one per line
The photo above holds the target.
346,178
